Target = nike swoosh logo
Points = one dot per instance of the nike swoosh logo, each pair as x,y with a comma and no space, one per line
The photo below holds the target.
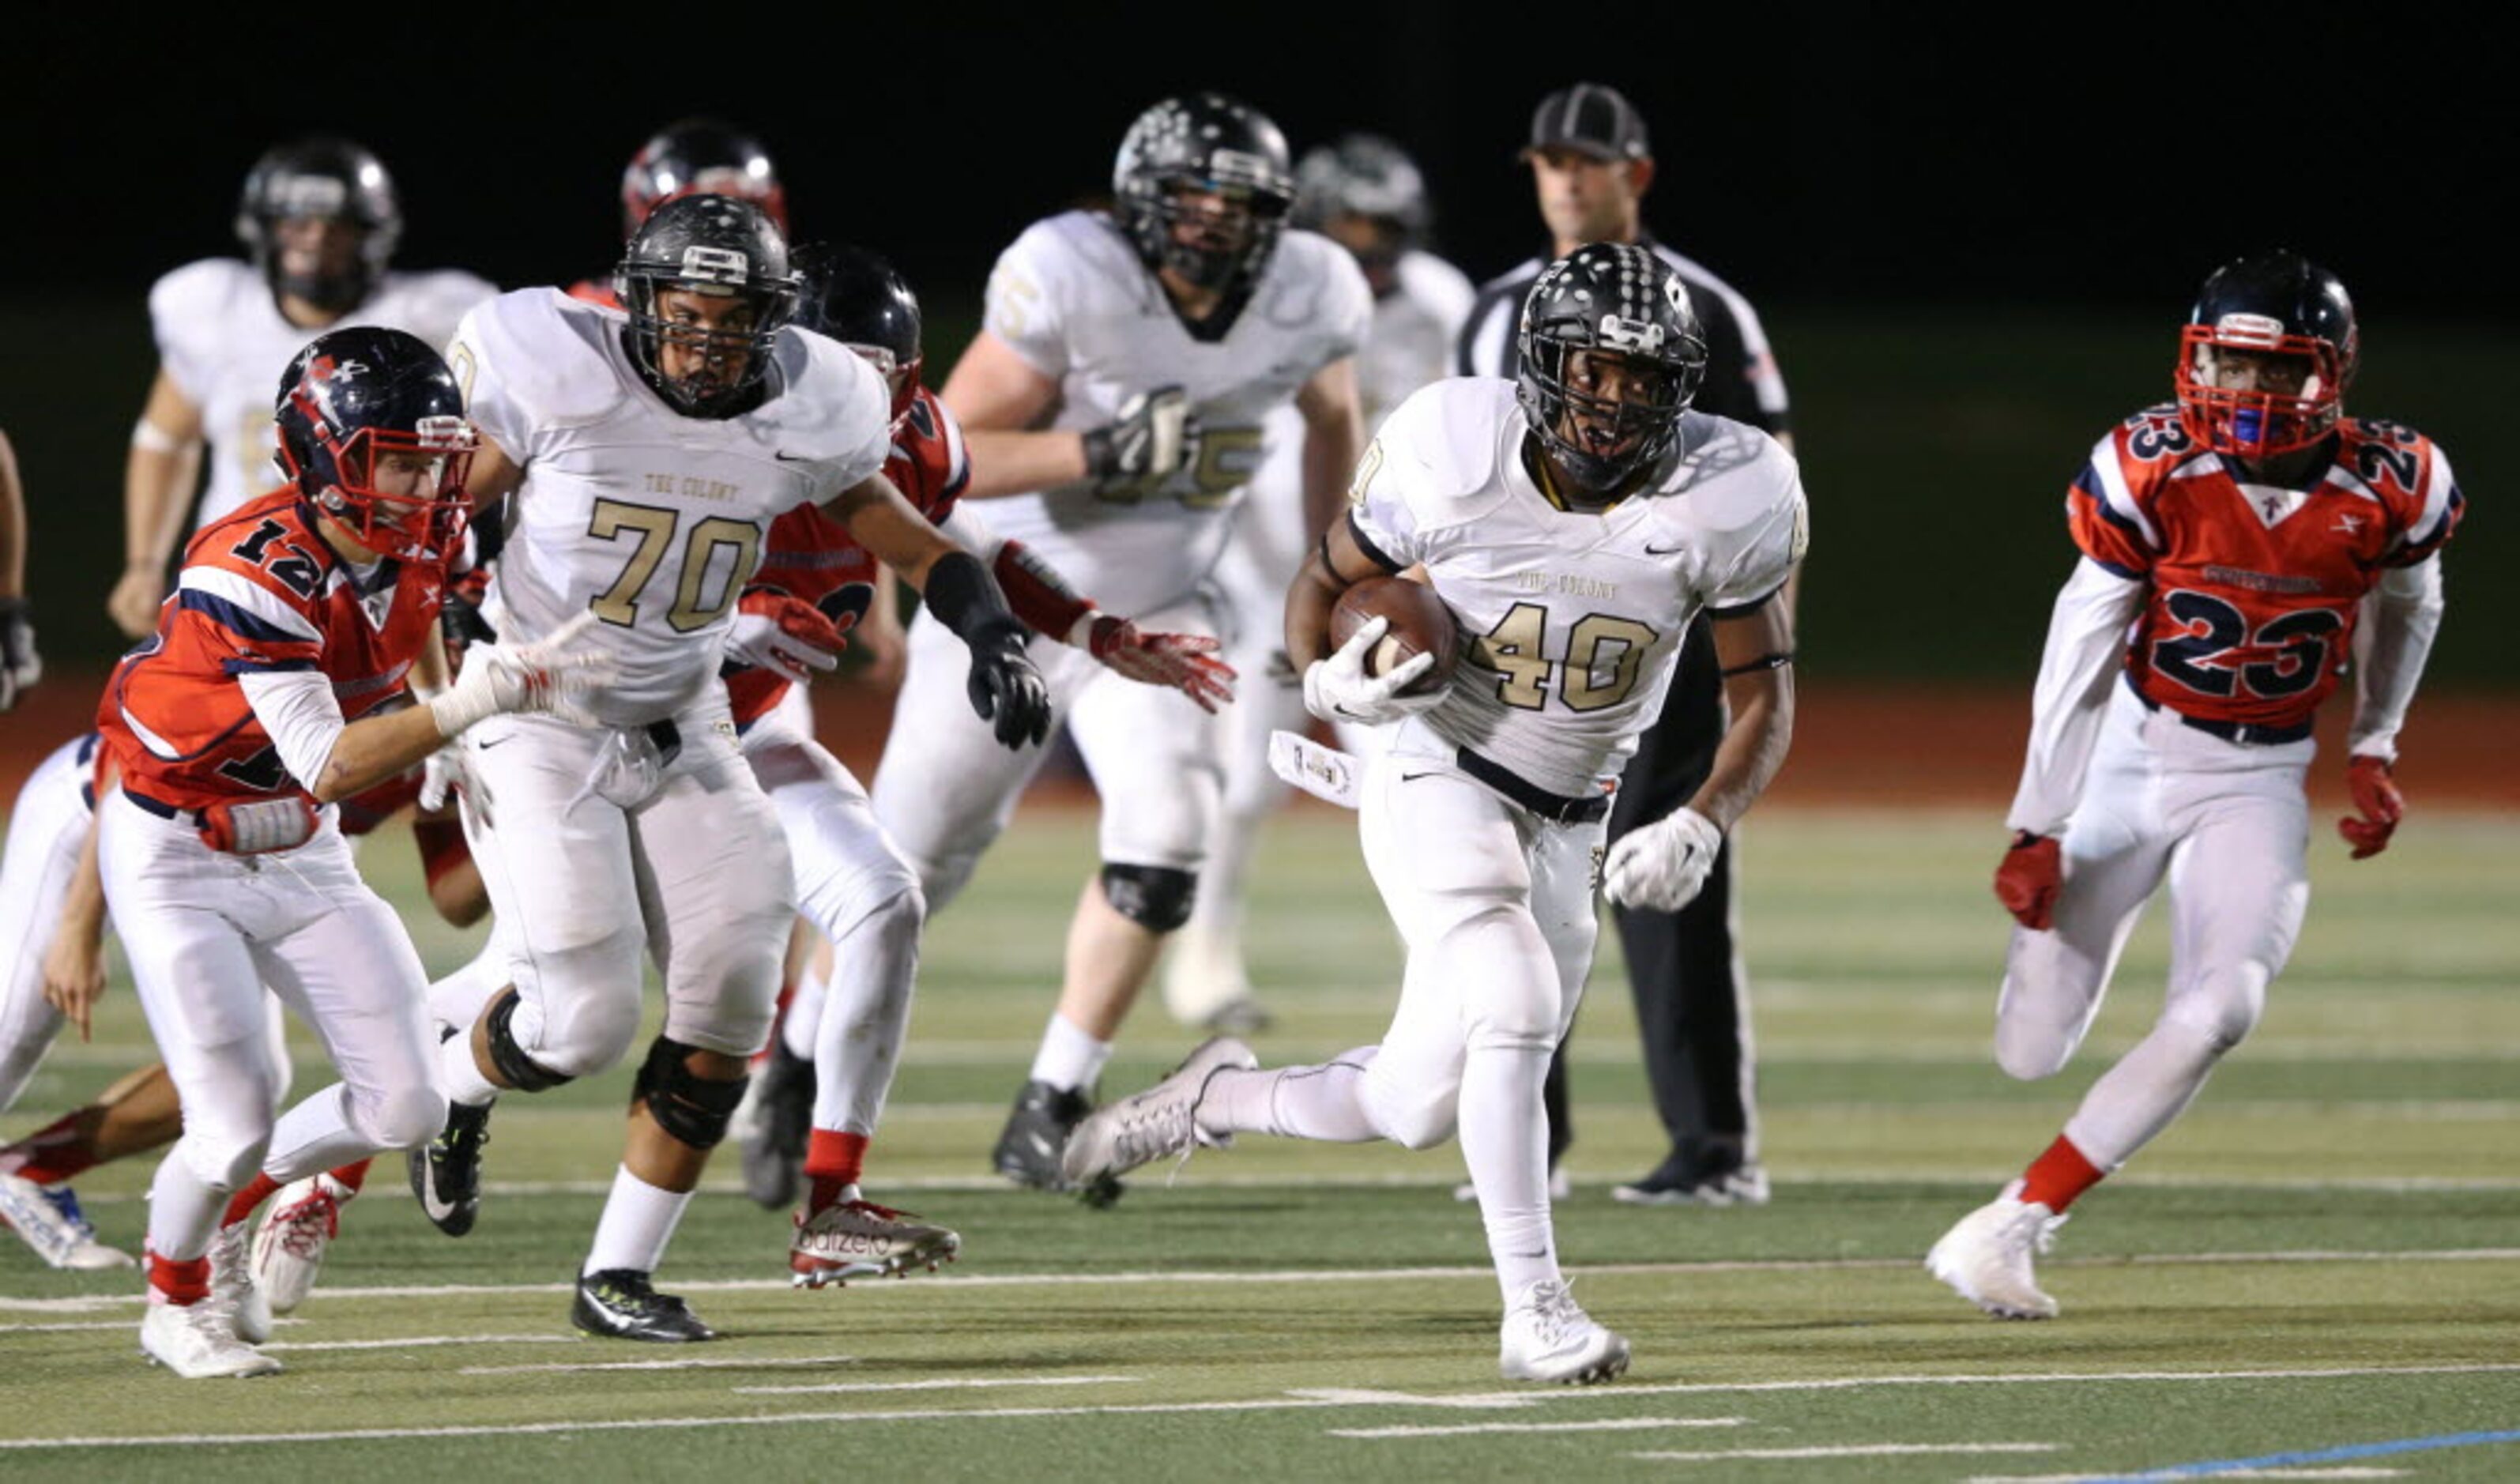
1666,550
784,457
487,743
1411,778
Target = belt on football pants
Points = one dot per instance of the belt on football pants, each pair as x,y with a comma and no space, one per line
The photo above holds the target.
166,811
1540,801
2247,734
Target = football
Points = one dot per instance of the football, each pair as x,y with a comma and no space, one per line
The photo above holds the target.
1421,624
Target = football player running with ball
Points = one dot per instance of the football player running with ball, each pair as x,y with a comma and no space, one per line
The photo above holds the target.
1116,400
2228,544
1575,519
234,729
645,453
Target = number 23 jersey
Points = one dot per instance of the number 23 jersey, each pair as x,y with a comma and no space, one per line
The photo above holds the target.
2252,590
651,520
1571,620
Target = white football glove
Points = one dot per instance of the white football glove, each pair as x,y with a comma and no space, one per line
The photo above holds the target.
441,773
544,676
1337,689
1662,866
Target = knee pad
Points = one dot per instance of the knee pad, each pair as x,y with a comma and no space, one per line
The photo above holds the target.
694,1109
1157,898
522,1072
2223,1007
400,1121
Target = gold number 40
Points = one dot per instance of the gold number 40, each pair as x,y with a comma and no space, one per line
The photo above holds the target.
655,525
1515,649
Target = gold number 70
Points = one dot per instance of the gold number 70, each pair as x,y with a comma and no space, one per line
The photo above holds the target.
654,526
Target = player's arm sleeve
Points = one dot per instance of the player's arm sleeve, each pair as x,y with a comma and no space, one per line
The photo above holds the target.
175,308
2108,515
1379,518
297,709
1024,304
2435,517
2085,637
2399,619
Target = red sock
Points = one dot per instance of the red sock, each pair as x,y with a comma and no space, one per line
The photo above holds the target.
51,1155
180,1282
2056,1177
241,1205
351,1176
833,1162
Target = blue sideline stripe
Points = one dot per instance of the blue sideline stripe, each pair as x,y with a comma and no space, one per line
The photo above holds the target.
2314,1455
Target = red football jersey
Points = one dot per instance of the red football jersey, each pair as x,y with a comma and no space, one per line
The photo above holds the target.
2253,590
812,557
259,592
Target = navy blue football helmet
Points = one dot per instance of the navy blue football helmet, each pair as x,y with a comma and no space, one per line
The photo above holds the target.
373,434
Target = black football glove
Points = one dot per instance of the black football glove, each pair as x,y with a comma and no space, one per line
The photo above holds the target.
1005,689
20,665
1153,435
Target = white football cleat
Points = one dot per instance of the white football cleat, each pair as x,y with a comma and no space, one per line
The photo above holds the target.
194,1341
854,1237
1158,1123
1549,1337
301,1221
240,1305
1986,1257
50,1222
1205,986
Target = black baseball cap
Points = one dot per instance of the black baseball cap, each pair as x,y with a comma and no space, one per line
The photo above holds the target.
1593,119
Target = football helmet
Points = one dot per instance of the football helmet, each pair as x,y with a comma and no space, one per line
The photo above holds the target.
857,299
329,179
699,156
1362,175
718,246
1613,301
1206,142
354,395
2292,317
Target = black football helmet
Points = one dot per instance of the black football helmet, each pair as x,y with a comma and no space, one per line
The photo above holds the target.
353,396
720,248
329,179
1614,302
1206,142
857,299
2274,304
699,156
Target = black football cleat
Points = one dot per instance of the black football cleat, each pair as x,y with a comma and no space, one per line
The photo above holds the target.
774,1151
1036,1134
623,1304
446,1171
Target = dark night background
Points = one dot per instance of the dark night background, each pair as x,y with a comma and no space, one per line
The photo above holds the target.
1972,252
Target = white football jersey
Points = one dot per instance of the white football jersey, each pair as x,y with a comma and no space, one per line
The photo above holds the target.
1570,620
224,342
1072,299
653,519
1408,344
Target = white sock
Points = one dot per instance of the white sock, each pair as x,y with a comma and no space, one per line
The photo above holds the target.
1322,1103
1505,1142
804,1014
2150,1086
460,1075
1069,1058
638,1221
184,1210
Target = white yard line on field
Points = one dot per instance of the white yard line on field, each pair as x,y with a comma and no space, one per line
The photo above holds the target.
957,1383
105,1302
1606,1424
424,1341
765,1364
1296,1402
1846,1450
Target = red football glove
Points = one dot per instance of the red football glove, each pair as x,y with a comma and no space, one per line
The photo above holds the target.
1185,663
2027,879
776,631
2377,802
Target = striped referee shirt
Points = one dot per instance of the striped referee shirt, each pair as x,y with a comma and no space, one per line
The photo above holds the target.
1741,378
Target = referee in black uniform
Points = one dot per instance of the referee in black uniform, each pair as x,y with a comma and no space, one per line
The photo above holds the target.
1592,162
